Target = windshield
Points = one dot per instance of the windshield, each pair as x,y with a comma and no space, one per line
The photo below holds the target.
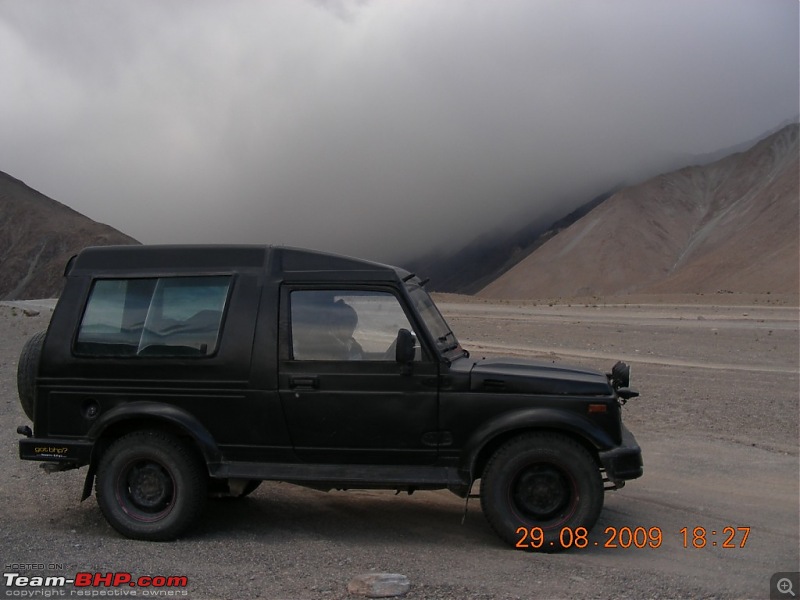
437,326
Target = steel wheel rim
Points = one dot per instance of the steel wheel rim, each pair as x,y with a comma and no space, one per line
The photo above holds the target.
543,492
145,490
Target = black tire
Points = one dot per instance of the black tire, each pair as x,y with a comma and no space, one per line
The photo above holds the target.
27,370
151,486
546,481
227,489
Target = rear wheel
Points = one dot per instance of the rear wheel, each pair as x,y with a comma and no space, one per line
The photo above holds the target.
539,489
151,486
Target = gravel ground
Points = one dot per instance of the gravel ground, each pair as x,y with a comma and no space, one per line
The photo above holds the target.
717,421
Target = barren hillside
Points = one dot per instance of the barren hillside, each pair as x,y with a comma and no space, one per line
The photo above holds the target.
37,237
729,226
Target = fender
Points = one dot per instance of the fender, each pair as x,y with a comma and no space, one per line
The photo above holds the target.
158,411
533,418
155,411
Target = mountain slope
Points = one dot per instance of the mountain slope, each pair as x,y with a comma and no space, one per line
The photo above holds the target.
731,225
481,261
37,237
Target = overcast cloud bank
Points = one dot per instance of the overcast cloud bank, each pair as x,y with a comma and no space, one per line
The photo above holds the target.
382,129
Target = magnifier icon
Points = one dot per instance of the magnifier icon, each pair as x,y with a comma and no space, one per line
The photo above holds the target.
785,586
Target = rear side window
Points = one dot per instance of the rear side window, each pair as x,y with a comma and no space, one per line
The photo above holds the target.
167,316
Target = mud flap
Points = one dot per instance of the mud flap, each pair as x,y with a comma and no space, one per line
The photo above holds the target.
88,482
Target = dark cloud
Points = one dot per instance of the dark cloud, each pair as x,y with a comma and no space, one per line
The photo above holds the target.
384,128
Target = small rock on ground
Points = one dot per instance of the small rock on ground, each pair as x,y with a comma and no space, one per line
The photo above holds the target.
379,585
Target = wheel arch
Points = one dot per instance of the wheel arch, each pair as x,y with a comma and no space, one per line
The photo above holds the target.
494,434
138,416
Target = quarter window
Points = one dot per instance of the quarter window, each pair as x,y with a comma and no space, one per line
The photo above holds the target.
169,316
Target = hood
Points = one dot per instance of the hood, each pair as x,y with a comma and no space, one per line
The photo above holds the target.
518,376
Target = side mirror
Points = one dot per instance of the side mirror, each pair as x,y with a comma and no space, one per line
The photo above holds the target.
404,350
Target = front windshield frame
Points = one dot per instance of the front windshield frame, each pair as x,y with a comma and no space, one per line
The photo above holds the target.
443,337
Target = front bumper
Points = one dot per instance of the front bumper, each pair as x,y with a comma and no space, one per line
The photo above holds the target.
625,461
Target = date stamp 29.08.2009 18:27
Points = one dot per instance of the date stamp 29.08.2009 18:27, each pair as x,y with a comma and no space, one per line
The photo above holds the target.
728,537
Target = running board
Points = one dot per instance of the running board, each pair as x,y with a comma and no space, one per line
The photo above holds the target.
342,475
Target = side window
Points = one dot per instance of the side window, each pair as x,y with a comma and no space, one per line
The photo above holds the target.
346,325
169,316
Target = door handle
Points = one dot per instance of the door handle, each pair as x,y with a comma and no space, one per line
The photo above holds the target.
304,383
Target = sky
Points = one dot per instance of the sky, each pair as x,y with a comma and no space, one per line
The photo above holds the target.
384,128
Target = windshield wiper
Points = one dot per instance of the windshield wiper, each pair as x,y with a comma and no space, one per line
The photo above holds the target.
464,353
443,338
452,346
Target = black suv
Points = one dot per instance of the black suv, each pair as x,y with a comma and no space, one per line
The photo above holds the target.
178,372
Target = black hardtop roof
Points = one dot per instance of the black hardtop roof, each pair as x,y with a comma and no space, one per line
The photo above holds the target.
159,259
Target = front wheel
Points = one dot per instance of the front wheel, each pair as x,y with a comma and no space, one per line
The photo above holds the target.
151,486
539,489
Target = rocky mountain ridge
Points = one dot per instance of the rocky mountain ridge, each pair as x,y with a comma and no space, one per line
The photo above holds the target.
729,226
478,263
37,237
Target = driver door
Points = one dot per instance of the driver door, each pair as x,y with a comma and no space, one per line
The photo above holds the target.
345,397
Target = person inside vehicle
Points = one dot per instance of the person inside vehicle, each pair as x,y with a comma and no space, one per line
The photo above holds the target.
340,344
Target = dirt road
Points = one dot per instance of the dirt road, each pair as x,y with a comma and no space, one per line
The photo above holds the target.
717,421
